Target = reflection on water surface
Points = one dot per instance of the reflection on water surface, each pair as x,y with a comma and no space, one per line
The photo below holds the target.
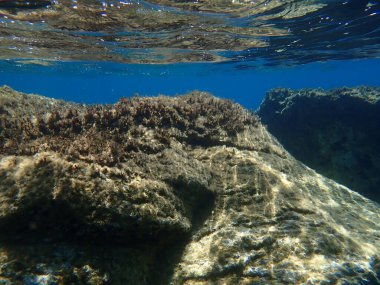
271,32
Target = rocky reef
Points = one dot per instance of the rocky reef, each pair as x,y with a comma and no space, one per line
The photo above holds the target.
335,132
169,190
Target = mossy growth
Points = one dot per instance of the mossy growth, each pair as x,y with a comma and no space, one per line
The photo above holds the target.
108,134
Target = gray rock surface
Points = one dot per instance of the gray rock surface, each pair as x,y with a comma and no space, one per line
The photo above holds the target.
335,132
183,190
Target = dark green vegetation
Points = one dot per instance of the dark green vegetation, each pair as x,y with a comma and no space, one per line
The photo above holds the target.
183,190
334,132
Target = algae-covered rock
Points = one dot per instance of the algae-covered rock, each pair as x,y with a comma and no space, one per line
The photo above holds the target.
169,190
20,4
335,132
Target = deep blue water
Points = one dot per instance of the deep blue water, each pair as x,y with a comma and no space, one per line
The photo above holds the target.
89,82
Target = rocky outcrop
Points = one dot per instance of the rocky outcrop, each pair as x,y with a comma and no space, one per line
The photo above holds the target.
182,190
334,132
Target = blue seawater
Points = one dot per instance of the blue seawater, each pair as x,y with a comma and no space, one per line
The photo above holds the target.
89,82
94,51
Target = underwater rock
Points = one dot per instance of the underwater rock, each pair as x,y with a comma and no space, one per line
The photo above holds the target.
24,4
169,190
335,132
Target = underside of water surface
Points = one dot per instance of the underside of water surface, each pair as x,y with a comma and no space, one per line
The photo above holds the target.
251,33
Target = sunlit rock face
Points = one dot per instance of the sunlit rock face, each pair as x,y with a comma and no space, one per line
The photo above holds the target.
181,190
334,132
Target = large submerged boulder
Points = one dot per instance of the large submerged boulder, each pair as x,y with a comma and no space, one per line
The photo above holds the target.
182,190
335,132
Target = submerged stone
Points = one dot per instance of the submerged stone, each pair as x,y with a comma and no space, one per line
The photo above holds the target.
169,190
24,4
335,132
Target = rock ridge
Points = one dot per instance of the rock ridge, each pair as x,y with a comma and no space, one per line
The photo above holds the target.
169,190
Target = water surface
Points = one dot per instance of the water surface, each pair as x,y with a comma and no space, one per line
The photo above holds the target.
96,51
